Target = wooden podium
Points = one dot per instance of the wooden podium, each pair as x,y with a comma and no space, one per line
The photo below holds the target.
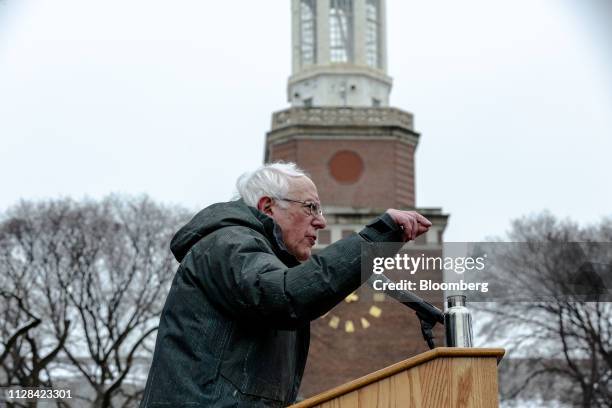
445,377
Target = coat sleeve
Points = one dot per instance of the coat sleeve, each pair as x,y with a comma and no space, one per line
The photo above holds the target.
238,272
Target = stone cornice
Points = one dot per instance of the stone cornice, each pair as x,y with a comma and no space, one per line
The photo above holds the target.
343,116
361,216
339,69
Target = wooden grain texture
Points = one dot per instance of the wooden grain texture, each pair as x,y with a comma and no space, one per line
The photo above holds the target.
443,377
434,383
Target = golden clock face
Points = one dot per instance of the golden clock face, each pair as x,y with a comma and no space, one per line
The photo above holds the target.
361,309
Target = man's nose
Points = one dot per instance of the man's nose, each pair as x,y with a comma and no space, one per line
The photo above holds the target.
319,222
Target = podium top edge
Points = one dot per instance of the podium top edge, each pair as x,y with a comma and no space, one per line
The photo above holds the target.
438,352
466,352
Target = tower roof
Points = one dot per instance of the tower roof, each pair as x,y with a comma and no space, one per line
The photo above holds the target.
339,53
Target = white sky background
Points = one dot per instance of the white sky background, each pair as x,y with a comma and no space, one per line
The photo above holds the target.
513,100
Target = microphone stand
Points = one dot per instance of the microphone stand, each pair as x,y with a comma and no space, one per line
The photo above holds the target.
427,313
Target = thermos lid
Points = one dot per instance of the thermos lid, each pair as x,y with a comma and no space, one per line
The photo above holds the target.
455,300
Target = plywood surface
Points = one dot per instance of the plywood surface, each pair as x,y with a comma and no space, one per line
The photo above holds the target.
443,377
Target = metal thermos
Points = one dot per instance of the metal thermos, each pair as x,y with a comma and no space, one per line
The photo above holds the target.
458,323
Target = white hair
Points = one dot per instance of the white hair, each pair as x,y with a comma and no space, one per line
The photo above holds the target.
269,180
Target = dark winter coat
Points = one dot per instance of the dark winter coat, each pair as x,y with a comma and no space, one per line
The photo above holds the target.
234,331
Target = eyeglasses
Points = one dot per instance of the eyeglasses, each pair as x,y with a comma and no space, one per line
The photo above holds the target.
313,208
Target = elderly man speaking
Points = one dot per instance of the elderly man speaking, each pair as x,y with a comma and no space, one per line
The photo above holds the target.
234,331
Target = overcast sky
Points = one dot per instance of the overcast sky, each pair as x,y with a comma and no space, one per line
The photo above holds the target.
513,100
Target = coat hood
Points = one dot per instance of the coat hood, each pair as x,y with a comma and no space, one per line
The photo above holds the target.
210,219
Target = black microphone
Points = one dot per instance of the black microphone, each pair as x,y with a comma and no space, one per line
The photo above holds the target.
427,313
411,300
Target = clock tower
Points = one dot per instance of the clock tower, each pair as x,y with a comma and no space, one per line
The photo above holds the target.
359,151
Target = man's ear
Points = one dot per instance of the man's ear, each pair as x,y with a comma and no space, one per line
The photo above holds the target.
265,205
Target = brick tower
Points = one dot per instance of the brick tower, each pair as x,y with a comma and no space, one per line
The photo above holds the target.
360,154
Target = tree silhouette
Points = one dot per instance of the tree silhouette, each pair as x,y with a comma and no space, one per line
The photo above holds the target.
564,316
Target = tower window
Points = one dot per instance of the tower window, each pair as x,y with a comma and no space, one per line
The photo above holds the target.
341,30
308,31
373,33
